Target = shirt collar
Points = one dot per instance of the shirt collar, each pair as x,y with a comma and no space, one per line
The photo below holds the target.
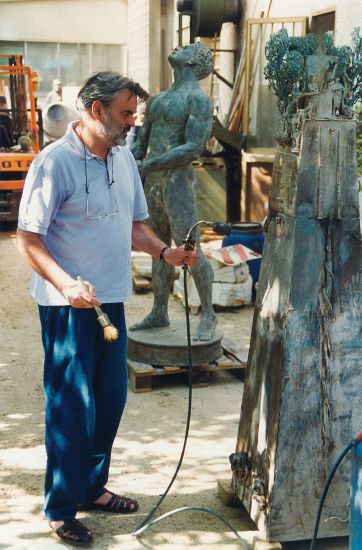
75,140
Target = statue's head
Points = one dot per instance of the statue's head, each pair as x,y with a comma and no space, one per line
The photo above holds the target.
197,56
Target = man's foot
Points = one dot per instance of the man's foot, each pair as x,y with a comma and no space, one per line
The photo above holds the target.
206,328
110,502
151,321
72,531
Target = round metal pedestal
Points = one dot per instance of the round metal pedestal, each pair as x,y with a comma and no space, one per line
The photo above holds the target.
167,346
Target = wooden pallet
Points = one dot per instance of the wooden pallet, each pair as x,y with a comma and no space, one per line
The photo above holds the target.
141,375
141,284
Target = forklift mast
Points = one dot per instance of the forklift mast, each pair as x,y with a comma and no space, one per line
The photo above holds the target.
21,124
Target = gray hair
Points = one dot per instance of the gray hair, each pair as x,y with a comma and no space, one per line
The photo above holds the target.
204,63
105,86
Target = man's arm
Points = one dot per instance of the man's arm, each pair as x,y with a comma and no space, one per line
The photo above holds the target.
197,131
143,238
32,248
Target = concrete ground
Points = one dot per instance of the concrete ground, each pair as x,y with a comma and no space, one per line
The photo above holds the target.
147,446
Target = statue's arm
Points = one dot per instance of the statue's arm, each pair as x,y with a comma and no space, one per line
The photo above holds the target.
197,132
139,147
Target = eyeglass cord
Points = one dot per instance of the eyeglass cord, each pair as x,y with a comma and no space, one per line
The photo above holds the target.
85,167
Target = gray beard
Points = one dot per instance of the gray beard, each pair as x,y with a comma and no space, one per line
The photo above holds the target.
104,132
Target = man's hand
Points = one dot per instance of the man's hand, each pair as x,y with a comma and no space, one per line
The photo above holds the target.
143,238
32,247
79,297
180,256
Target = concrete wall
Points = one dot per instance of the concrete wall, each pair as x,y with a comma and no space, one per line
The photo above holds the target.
144,43
229,40
96,21
348,13
151,37
138,41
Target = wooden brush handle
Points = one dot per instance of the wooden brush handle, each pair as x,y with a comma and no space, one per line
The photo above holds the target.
102,317
98,310
85,287
82,283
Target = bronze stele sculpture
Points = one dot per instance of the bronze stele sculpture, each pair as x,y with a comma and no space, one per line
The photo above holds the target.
176,127
302,397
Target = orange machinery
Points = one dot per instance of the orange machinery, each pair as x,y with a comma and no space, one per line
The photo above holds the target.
23,117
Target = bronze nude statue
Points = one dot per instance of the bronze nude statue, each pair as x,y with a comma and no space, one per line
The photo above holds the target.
176,127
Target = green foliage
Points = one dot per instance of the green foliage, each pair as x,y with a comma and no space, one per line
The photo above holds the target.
306,45
356,66
285,67
359,138
349,64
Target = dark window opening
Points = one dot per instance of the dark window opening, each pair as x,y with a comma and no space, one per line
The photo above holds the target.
323,23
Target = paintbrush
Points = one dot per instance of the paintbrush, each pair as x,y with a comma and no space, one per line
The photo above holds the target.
109,330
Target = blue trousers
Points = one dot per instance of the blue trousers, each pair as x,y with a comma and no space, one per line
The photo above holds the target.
85,386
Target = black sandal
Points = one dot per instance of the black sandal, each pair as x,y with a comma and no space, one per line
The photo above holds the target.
74,532
117,504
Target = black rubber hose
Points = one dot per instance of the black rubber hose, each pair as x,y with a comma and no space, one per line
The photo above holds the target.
325,491
141,527
201,509
145,524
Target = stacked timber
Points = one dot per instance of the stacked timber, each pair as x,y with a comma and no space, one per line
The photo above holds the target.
141,271
232,285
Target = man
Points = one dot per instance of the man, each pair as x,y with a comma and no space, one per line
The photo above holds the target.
56,94
82,208
177,125
3,106
6,127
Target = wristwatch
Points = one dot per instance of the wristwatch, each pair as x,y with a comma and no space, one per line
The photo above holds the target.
162,254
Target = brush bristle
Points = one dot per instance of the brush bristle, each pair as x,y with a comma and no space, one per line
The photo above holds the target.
110,333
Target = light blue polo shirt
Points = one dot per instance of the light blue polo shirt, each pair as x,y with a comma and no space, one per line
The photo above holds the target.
91,238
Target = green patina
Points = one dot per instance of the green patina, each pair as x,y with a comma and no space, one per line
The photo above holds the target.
286,68
349,64
312,78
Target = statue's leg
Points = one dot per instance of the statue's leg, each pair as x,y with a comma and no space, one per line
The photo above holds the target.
180,203
203,276
162,274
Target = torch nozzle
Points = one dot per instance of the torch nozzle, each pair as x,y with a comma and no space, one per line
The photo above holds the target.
220,228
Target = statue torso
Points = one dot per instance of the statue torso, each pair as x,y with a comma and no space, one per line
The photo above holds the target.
168,115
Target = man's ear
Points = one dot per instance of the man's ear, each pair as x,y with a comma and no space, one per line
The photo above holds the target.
96,109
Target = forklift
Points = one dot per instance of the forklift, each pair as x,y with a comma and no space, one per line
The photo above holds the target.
20,131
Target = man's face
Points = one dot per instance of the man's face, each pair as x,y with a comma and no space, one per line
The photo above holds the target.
118,117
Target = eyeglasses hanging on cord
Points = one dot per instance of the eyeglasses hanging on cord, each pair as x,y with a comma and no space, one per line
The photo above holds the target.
110,186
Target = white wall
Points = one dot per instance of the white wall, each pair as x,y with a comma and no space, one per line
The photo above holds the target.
228,41
138,39
348,17
87,21
144,43
144,33
348,12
